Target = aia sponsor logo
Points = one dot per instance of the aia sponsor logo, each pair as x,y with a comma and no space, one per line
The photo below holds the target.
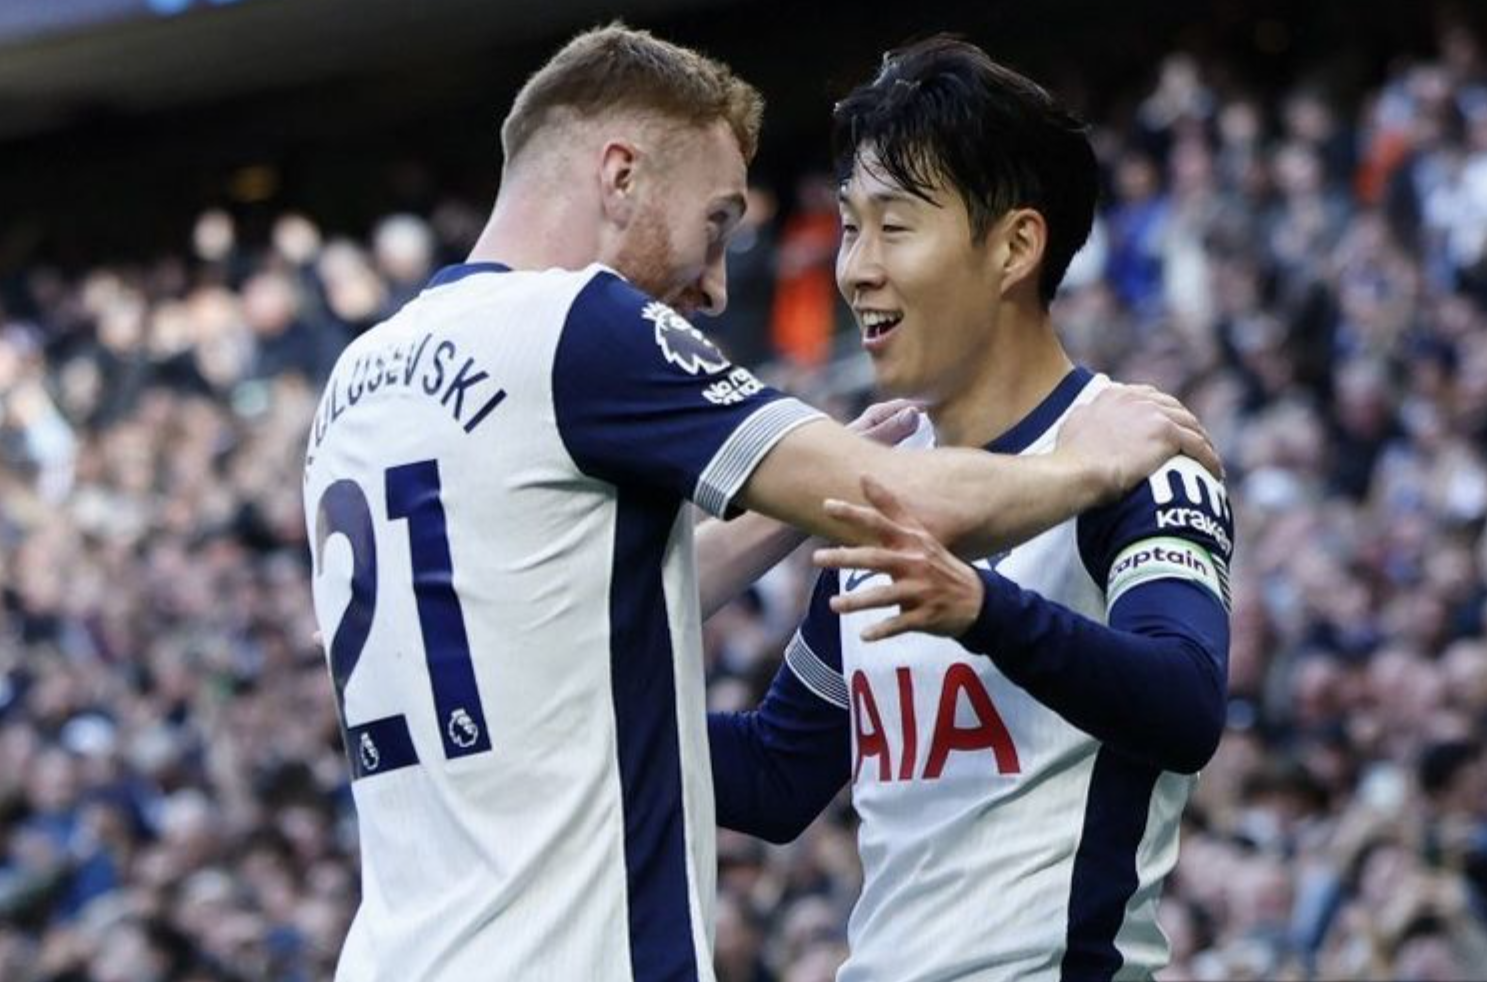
966,722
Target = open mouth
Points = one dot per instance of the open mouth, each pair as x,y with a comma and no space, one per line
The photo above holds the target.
878,324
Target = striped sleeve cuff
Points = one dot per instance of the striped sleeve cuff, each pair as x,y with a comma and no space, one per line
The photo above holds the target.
736,459
814,673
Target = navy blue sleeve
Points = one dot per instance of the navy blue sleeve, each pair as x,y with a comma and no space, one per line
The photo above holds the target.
1154,681
1177,524
641,397
777,767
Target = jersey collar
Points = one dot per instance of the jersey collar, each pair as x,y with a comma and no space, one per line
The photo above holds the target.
457,272
1026,431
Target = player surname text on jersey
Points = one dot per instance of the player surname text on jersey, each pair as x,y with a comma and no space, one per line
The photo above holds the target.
437,370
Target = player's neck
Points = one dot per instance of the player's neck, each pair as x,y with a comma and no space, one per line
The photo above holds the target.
1026,363
532,228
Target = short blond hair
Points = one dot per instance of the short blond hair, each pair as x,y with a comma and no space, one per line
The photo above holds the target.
616,69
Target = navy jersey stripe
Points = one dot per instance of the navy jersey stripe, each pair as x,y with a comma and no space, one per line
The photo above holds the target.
380,746
821,629
1105,876
644,690
635,405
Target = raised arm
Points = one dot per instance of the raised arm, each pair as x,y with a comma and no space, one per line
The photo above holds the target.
641,400
975,502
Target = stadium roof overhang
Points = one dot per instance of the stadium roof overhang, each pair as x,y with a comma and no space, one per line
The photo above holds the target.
135,59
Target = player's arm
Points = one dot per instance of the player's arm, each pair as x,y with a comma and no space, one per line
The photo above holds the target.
776,767
979,503
733,554
643,401
1152,682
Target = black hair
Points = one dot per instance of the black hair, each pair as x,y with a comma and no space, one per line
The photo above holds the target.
940,112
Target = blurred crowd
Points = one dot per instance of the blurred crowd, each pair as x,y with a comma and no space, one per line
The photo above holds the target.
1307,270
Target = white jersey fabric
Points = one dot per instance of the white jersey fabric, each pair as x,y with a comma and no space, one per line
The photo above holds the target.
994,833
495,487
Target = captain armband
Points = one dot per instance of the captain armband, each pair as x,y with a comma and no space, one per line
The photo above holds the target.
1166,558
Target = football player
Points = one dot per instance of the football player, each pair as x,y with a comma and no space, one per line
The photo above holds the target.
1020,735
496,488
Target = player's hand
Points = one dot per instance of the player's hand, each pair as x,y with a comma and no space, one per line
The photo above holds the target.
888,422
1128,431
934,591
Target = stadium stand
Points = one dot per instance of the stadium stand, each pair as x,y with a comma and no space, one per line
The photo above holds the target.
1307,270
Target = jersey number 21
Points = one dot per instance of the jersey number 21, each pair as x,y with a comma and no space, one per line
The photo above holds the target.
385,744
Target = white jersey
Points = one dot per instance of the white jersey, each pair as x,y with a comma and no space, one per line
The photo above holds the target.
999,841
495,488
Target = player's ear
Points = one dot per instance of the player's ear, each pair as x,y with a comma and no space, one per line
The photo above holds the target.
1024,235
618,191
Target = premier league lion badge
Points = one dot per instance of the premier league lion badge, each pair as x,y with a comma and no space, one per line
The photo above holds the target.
371,759
682,344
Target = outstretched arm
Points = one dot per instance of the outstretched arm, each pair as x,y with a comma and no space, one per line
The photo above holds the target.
733,554
643,401
976,502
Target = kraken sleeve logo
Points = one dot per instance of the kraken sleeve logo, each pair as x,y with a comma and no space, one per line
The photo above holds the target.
682,344
1187,497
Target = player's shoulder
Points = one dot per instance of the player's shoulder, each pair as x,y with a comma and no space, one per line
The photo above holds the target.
484,283
1179,500
610,304
359,348
1182,482
602,295
1181,496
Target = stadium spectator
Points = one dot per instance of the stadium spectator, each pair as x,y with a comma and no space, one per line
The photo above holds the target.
172,788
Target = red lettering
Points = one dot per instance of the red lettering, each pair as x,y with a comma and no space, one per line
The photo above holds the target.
989,730
874,744
910,726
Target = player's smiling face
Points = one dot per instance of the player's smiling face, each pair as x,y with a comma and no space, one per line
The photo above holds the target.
676,247
924,293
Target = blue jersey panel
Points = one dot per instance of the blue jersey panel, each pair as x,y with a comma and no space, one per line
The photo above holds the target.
642,397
